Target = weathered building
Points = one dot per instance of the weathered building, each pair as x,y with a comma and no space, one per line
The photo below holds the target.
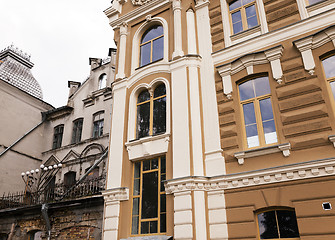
223,120
60,197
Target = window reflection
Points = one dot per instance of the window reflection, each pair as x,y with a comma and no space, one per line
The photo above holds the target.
152,45
329,69
243,15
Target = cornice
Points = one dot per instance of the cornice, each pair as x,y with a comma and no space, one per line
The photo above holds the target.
116,195
286,173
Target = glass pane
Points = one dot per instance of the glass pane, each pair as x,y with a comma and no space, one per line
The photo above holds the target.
137,170
236,17
146,165
262,86
136,206
152,33
270,132
159,116
237,27
287,223
249,113
332,86
158,49
252,136
266,109
163,222
163,164
136,191
159,91
150,195
329,66
235,4
314,1
143,96
163,178
154,163
163,203
244,2
252,22
250,11
246,90
134,225
144,227
143,118
267,225
145,54
153,226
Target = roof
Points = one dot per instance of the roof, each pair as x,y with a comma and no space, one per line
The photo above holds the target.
15,68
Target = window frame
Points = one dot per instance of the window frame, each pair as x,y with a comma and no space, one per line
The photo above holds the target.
76,134
151,46
160,193
328,80
98,114
101,80
275,209
151,102
258,116
58,137
243,16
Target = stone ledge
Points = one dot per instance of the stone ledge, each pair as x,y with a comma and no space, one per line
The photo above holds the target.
158,237
284,148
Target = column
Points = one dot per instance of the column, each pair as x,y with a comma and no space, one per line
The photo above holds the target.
178,52
218,228
122,51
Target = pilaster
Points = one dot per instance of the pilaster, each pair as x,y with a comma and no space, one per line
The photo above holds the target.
122,51
178,52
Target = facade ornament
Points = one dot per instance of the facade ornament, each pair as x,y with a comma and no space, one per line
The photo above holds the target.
139,2
123,28
148,18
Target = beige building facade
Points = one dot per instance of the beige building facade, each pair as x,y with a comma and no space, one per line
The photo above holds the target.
223,120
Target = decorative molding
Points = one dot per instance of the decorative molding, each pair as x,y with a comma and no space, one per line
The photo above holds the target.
116,195
320,7
247,62
284,148
332,139
148,146
292,172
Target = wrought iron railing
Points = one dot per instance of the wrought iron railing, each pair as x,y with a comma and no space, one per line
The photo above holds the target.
57,193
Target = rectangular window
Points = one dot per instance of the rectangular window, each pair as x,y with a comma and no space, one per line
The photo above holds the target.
259,123
243,15
77,129
98,124
58,136
148,197
329,70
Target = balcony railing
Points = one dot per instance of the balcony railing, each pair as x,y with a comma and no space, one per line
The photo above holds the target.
57,193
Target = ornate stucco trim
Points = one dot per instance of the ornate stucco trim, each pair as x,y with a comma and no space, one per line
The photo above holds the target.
307,44
332,139
286,173
247,62
116,194
284,148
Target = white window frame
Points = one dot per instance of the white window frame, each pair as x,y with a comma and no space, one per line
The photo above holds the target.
135,60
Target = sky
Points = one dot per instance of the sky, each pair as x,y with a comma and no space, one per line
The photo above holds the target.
60,36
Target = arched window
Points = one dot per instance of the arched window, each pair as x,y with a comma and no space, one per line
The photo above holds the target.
278,224
329,70
102,81
152,45
243,15
151,112
255,99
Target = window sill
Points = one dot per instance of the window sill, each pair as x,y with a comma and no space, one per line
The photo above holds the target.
156,237
246,34
284,148
148,146
105,92
319,7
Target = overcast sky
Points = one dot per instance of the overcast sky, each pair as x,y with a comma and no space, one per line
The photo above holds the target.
60,36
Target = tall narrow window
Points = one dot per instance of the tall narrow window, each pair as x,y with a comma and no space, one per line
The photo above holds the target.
255,99
148,197
98,124
58,136
102,81
77,129
151,112
243,15
152,45
329,69
278,224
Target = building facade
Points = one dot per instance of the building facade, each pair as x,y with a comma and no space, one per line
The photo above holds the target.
223,120
60,197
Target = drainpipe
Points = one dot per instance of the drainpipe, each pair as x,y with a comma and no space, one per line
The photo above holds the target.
44,211
17,141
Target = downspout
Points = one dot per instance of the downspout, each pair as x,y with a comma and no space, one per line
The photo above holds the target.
17,141
44,211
